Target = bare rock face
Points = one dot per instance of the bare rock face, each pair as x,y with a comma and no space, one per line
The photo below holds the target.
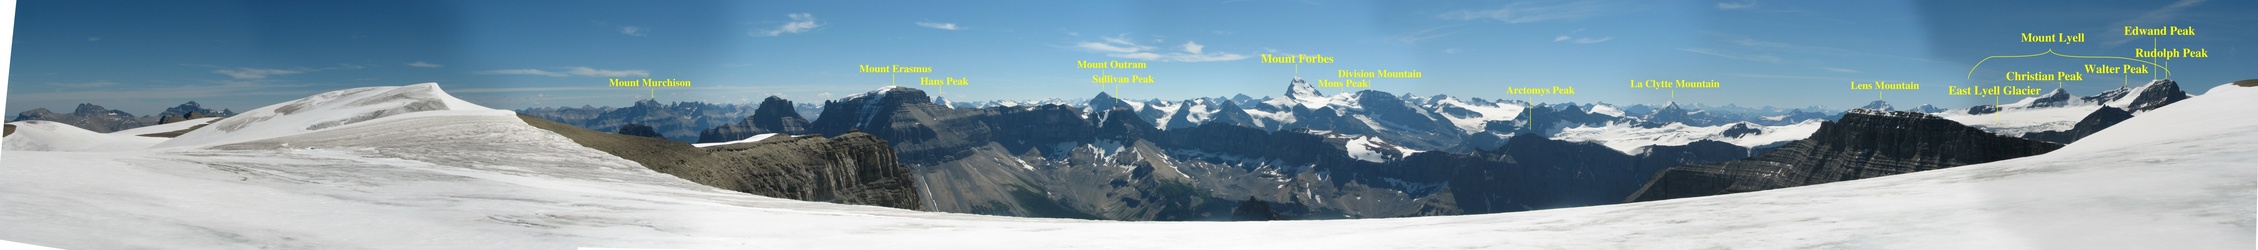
2157,94
88,116
639,130
190,111
852,168
1864,144
775,115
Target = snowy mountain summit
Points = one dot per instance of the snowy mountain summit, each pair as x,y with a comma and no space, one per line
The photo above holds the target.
327,110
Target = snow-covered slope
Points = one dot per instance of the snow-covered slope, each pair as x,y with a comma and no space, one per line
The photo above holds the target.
168,127
1374,149
326,110
53,136
1629,138
754,138
2017,121
2176,178
1474,117
38,135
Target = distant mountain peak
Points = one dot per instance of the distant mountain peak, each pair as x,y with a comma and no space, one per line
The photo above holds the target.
1889,113
1878,105
1300,90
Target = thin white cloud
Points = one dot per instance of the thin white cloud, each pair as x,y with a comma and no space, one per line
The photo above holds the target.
632,30
586,71
81,85
1530,12
225,88
801,22
93,39
1572,38
944,26
1760,58
1840,70
1413,38
1803,77
571,71
1122,47
255,73
1105,47
421,64
1762,45
521,72
1734,5
2153,17
1590,40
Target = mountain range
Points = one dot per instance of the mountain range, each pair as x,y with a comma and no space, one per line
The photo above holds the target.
103,120
435,171
1352,155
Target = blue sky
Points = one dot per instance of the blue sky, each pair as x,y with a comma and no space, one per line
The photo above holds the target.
143,56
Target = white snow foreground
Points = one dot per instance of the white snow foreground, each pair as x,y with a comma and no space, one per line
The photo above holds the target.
2177,178
54,136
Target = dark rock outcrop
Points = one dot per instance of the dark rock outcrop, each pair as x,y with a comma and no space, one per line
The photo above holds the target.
1740,129
189,111
852,168
775,115
639,130
88,116
2155,95
1864,144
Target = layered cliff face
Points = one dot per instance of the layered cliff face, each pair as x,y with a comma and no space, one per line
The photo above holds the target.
1864,144
852,168
775,115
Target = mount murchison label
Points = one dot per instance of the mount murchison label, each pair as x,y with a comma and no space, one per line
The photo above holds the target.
648,82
